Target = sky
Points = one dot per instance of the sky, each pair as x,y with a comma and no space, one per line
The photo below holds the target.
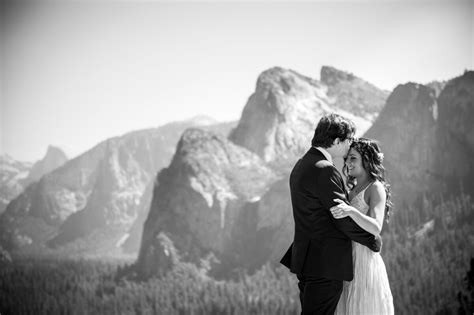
73,73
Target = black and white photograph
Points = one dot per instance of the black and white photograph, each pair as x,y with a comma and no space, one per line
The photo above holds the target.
237,157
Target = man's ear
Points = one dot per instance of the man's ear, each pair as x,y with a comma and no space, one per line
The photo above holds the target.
336,141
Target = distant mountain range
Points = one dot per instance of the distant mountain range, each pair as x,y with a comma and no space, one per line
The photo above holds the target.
95,197
217,193
12,175
16,175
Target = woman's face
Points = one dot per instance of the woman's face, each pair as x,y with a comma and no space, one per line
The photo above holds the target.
354,163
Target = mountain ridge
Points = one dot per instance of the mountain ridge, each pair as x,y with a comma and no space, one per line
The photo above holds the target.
131,161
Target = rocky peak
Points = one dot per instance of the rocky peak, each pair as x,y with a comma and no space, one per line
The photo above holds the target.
333,76
277,80
198,201
54,153
279,118
278,121
53,159
353,94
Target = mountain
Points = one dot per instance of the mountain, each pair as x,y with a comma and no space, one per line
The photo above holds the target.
428,140
95,197
228,198
352,93
53,159
130,242
455,135
279,118
12,175
16,175
406,130
204,202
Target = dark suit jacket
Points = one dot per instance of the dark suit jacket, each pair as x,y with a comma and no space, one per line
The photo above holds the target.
322,245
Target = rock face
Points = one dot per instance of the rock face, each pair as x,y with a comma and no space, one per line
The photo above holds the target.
204,202
406,130
438,86
428,141
120,178
131,241
279,118
99,190
275,223
15,176
33,216
352,94
455,135
53,159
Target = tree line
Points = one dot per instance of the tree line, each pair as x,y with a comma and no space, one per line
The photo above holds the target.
427,273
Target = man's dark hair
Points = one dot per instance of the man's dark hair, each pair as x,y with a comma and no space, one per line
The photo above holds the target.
331,127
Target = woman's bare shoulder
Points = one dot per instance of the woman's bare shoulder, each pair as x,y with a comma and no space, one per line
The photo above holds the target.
376,188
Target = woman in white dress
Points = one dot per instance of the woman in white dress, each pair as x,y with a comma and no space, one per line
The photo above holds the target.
369,292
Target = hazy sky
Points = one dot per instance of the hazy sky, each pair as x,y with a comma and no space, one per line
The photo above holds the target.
76,73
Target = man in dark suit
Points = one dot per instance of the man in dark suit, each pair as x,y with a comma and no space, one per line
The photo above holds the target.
321,253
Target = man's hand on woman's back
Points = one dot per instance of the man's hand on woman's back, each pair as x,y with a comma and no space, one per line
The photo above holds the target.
377,244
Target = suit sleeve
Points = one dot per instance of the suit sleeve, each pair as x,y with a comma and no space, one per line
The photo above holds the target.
332,187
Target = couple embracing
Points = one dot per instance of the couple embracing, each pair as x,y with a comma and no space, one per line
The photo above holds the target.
335,251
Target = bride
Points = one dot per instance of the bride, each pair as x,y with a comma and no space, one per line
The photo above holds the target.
369,291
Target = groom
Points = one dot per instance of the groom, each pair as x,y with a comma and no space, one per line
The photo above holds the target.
321,253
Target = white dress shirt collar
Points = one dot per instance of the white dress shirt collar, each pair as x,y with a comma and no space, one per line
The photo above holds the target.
325,153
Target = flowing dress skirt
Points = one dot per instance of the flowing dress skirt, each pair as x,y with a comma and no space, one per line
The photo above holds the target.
369,292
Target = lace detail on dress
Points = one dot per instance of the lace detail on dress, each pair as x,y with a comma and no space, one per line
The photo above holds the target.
359,203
